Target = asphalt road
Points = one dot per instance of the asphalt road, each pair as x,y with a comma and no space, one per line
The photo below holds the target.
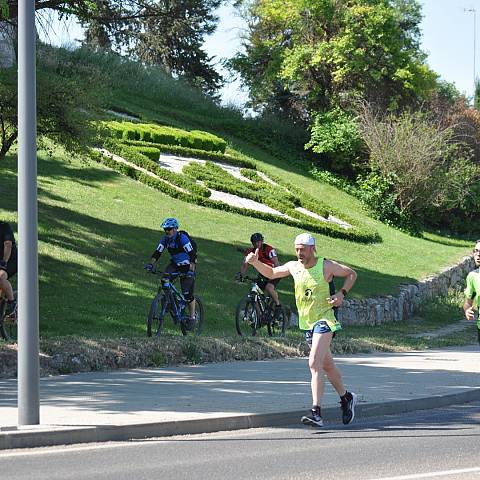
442,443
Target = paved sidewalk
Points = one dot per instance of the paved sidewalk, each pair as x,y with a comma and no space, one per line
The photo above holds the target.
140,403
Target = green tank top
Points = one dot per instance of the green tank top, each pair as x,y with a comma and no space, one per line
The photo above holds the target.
311,293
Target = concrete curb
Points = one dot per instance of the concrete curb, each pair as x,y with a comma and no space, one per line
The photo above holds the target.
43,436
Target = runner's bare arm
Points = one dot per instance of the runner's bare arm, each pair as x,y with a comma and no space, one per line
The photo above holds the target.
334,269
244,266
275,261
468,309
267,271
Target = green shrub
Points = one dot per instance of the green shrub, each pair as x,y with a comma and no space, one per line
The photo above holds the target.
231,158
151,152
420,163
164,135
378,193
335,136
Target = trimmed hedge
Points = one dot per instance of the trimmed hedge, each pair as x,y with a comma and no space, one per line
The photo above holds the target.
149,132
216,178
150,152
231,158
139,159
280,199
316,206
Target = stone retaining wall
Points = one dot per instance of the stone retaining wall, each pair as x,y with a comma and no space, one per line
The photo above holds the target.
389,308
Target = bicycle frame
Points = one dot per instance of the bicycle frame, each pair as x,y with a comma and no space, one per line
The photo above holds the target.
260,300
174,300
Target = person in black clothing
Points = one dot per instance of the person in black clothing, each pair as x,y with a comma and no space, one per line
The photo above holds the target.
8,264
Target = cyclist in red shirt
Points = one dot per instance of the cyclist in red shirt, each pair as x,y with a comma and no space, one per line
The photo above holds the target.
268,256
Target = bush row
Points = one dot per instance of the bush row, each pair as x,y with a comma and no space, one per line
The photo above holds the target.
232,158
215,177
138,175
280,199
149,132
130,154
310,203
252,175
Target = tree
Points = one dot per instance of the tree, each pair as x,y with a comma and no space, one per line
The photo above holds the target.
168,33
171,34
64,98
312,55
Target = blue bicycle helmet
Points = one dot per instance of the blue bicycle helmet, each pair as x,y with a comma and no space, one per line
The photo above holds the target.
170,223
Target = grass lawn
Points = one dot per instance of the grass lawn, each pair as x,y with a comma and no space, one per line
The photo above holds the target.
433,317
97,228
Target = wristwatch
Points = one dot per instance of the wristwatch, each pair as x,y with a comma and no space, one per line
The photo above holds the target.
344,292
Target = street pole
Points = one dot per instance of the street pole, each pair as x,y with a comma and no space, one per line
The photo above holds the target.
472,10
28,343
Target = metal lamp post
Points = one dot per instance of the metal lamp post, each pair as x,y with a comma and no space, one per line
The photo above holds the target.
28,329
472,10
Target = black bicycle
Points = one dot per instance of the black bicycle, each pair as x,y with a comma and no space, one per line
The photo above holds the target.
170,300
8,323
256,310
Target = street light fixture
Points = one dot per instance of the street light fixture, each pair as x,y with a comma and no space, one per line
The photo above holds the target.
472,10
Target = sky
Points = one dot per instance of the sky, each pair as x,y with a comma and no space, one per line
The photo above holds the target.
448,39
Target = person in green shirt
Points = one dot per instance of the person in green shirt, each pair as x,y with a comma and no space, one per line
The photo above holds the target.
473,289
312,277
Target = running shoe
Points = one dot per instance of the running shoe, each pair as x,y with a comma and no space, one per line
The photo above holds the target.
314,420
348,403
189,323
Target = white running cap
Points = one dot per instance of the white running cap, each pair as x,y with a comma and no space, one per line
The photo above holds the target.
304,239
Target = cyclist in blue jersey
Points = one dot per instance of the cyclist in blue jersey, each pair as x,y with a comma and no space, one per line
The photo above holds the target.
183,258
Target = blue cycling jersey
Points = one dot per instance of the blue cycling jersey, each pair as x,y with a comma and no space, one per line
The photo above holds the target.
179,249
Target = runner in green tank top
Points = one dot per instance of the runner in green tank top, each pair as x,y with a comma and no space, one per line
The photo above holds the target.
312,277
472,290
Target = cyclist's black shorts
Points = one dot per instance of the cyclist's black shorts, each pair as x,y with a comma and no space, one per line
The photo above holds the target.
187,283
11,267
262,281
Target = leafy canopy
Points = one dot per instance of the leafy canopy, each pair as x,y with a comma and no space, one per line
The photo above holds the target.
315,54
167,33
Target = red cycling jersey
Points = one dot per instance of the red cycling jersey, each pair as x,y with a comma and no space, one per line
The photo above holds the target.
265,254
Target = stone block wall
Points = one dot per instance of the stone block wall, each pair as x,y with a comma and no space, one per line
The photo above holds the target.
390,308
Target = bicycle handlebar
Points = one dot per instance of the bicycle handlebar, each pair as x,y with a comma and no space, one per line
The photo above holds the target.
252,279
171,274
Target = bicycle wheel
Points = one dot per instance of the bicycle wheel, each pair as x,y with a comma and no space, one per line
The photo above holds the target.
9,326
156,315
3,307
199,318
278,322
246,317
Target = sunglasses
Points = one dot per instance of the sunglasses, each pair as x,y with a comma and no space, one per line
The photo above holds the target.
476,250
168,229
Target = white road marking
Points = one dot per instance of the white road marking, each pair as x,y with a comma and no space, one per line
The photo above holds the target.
442,473
65,449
